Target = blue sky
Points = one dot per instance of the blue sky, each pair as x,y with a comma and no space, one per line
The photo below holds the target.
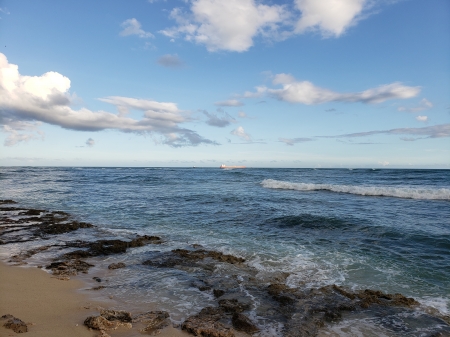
294,83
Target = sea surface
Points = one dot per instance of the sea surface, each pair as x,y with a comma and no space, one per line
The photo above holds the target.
385,229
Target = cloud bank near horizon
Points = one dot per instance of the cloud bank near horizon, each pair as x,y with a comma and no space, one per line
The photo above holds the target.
434,131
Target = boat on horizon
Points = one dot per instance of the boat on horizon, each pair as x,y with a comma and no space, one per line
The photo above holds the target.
223,166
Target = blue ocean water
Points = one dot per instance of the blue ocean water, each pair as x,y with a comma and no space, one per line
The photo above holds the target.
381,229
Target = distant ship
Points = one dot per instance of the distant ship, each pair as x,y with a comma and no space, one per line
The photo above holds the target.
223,166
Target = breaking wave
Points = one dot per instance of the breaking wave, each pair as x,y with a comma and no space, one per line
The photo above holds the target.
385,191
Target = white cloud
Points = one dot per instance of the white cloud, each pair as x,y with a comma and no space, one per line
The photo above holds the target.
28,99
19,131
383,163
305,92
330,17
260,91
292,141
230,102
242,114
170,61
435,131
422,118
233,25
133,27
226,25
4,10
424,104
90,142
240,132
214,119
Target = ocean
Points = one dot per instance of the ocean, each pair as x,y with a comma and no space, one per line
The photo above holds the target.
380,229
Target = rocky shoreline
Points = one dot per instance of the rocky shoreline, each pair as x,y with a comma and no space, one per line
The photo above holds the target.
242,300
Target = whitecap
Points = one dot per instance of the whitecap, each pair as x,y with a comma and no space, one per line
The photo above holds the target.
385,191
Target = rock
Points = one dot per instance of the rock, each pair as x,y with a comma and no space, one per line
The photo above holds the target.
98,279
97,288
113,315
243,323
368,297
60,228
77,254
116,265
233,305
218,292
109,247
281,293
154,320
207,324
67,268
15,324
201,285
32,212
2,202
99,323
201,254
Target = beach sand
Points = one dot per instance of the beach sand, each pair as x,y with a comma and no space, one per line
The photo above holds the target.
51,307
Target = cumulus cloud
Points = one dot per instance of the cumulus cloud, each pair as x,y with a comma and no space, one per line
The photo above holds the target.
383,163
422,118
214,119
242,114
226,25
305,92
46,98
240,132
292,141
435,131
170,61
133,27
90,142
330,17
424,104
230,102
233,25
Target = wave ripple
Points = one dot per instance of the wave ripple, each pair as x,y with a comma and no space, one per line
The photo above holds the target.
385,191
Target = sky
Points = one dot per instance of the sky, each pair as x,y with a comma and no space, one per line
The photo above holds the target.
288,83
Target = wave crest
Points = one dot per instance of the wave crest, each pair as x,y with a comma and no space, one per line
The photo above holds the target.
385,191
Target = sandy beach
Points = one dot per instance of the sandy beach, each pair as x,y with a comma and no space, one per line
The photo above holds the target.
51,307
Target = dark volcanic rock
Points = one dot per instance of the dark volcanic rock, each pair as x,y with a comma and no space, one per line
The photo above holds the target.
154,321
207,324
233,305
15,324
77,254
196,255
201,285
32,212
113,315
218,292
109,247
243,323
60,228
2,202
67,268
116,265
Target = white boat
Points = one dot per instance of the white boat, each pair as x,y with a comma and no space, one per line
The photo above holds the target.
223,166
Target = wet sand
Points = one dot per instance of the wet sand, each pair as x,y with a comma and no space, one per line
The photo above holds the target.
51,307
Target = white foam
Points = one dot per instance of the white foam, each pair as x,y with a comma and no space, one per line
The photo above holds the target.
387,191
